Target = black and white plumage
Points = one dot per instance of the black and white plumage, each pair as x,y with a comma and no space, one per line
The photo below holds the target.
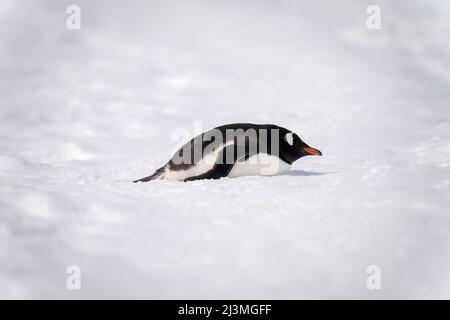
233,150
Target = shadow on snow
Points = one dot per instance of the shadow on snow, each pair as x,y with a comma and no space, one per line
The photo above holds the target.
299,173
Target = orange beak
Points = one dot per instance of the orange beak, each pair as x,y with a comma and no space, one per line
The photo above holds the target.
312,151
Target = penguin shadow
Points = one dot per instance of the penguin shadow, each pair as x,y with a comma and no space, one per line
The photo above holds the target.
303,173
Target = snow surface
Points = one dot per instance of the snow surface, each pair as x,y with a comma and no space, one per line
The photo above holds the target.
84,112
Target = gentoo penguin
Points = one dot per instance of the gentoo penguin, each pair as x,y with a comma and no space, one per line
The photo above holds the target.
233,150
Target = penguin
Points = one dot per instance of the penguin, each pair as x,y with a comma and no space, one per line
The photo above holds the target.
234,150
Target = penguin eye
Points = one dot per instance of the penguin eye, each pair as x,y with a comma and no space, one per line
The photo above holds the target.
289,137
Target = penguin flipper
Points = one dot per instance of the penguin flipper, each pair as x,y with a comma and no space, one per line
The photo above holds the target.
220,170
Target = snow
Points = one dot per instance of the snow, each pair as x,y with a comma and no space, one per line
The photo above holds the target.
85,112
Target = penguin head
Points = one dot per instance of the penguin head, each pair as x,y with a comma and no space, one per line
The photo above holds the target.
296,148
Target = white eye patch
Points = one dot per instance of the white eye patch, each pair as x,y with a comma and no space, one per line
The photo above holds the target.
289,138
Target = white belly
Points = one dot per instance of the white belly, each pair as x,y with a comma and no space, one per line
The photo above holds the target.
261,165
201,167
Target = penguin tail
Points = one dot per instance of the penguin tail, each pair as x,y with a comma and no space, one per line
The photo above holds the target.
157,175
